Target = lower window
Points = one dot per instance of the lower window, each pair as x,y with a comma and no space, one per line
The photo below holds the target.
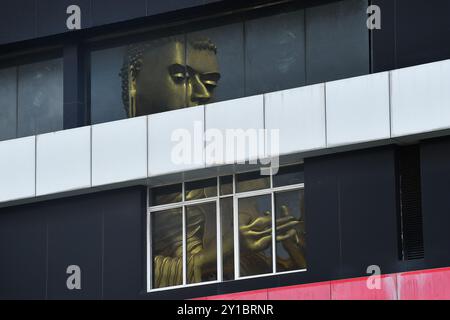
226,228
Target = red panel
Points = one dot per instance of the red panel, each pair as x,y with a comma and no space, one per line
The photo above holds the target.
424,285
419,285
316,291
357,289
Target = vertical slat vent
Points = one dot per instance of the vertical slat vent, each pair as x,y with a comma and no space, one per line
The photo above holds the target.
410,203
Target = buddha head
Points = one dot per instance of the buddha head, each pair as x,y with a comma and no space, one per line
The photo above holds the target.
168,74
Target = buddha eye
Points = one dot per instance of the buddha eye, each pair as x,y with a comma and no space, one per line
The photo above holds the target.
179,76
210,79
177,72
210,83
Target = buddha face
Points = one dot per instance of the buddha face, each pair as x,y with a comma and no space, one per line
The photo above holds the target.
173,76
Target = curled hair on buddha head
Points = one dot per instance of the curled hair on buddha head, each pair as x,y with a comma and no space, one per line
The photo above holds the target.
133,61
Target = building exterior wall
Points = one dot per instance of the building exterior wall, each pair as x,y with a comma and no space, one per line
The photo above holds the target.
357,99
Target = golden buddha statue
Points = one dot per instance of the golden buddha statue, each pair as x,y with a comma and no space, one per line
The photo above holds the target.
170,74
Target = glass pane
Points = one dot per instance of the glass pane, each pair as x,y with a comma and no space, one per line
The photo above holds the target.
40,98
220,67
106,85
290,233
166,195
251,181
255,235
226,185
201,189
8,103
289,176
226,212
275,52
201,242
337,41
167,248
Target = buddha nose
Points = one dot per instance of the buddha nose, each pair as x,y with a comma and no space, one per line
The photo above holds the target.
200,93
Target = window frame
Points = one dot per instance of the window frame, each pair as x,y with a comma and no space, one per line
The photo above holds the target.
271,191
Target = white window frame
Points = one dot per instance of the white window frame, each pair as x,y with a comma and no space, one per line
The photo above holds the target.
235,197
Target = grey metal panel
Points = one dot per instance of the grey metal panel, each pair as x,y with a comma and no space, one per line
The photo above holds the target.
299,115
358,110
119,151
168,130
238,117
17,169
420,99
63,161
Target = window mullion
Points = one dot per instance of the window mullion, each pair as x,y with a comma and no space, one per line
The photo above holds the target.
149,253
184,245
219,236
274,240
236,231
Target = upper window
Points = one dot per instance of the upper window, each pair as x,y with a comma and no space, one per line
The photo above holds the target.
244,55
226,228
31,99
166,74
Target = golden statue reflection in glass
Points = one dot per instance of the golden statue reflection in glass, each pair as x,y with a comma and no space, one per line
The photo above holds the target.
170,74
255,236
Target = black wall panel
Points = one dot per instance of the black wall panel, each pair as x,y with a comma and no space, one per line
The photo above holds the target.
383,40
351,199
110,11
368,211
102,233
413,32
28,19
156,7
75,238
124,259
322,217
435,160
23,255
51,15
17,20
423,28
